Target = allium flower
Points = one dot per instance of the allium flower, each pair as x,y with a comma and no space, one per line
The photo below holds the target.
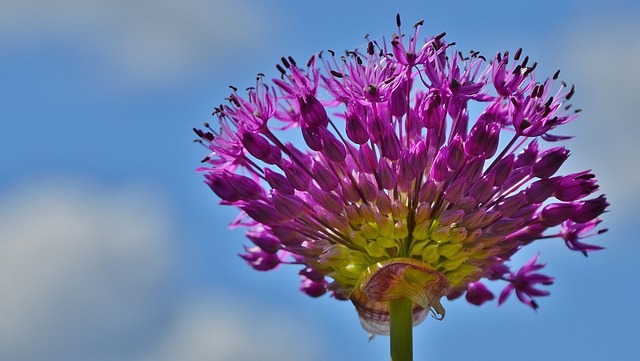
422,172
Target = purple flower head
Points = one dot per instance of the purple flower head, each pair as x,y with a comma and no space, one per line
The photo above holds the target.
422,170
523,283
572,233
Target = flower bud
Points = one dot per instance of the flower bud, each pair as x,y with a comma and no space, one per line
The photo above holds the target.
367,159
256,145
590,209
477,294
312,112
260,260
233,187
556,213
390,144
297,176
527,156
539,191
482,189
289,206
311,136
356,129
503,169
456,190
549,162
278,181
332,147
369,190
439,171
325,178
262,212
575,186
399,101
455,154
264,239
386,175
313,288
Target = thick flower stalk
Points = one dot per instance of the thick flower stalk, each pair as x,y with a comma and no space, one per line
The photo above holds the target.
419,173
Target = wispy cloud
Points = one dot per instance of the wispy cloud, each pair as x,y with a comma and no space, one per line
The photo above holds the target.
219,327
86,273
146,42
80,266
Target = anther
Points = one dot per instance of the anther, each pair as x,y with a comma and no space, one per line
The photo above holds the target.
516,56
440,36
517,69
555,76
530,69
293,62
285,62
370,49
548,103
398,22
571,92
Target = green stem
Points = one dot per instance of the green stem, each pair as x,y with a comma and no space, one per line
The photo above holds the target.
401,317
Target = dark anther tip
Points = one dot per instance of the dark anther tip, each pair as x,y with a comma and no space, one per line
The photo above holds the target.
516,56
285,62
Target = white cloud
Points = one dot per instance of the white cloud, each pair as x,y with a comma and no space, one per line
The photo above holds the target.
86,273
80,266
148,41
605,52
215,328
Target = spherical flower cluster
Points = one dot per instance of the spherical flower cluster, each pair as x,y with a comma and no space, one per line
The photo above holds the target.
400,190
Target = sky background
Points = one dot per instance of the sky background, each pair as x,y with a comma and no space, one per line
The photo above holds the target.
112,248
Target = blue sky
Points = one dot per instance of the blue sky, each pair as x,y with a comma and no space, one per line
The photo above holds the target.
112,248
